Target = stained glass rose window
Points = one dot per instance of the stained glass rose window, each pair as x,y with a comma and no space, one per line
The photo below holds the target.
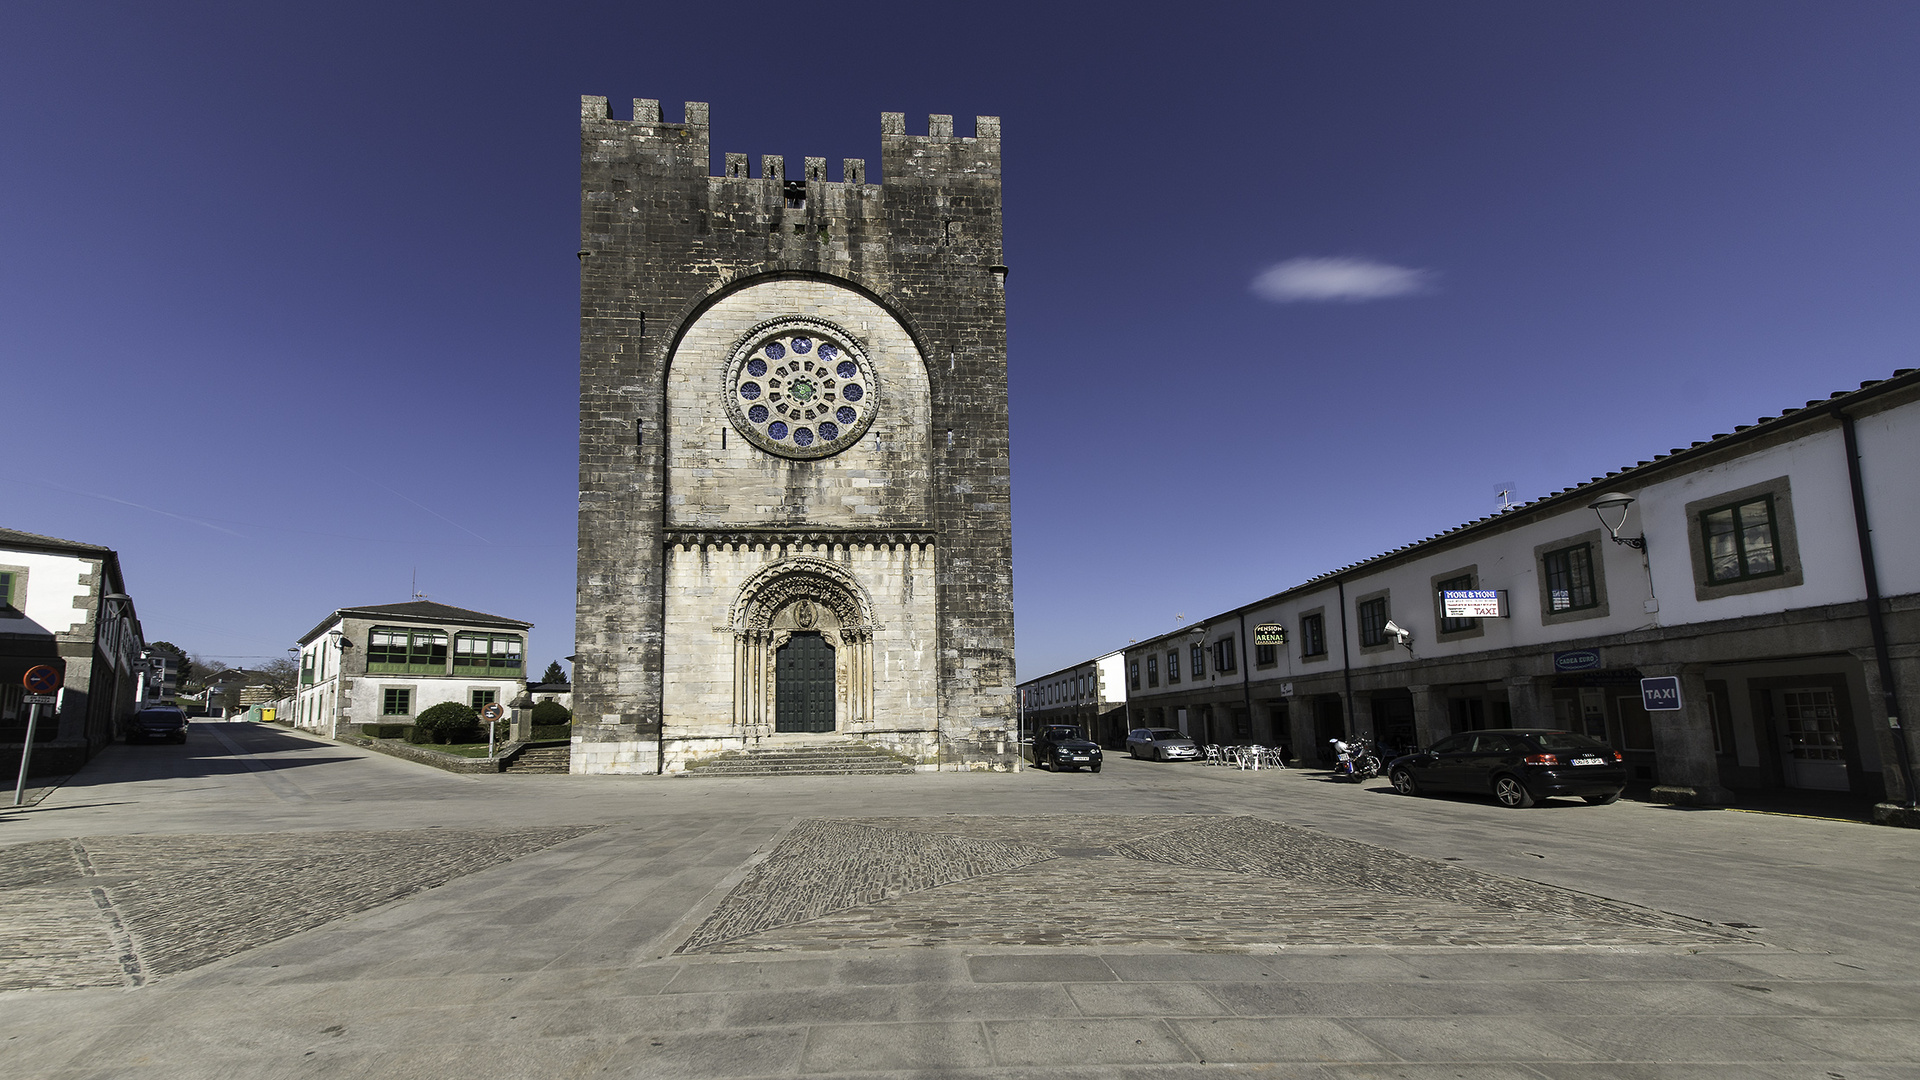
801,387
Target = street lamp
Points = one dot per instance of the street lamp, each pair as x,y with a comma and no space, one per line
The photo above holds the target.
1616,504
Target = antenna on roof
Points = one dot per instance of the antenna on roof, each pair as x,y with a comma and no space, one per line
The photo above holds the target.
1506,495
415,586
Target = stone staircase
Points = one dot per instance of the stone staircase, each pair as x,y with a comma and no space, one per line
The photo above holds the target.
540,759
837,759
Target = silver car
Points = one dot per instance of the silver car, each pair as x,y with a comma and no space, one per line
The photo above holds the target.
1161,744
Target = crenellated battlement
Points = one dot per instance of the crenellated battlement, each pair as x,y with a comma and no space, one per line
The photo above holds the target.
937,152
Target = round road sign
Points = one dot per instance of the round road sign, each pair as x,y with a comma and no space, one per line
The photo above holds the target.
41,679
492,712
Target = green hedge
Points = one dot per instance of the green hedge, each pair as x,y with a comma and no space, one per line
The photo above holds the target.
386,731
546,732
449,722
551,714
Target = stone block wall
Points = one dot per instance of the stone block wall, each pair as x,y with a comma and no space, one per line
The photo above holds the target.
665,245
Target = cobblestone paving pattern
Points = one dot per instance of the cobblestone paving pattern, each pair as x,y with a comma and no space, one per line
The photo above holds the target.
1188,883
826,865
177,902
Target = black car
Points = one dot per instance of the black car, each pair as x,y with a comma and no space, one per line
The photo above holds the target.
159,722
1059,747
1517,766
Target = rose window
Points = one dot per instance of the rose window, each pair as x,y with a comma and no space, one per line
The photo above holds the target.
801,388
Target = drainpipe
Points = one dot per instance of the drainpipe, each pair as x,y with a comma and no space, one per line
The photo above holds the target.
1876,622
1246,672
1346,657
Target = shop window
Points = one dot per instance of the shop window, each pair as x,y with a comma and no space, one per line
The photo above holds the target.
399,650
1313,635
1373,621
396,701
1742,541
1173,667
1153,671
1570,582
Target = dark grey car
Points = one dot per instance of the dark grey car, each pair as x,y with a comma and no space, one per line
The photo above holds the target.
159,722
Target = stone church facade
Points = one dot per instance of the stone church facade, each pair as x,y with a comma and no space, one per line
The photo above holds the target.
795,520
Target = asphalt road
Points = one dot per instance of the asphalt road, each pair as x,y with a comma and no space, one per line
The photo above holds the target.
258,903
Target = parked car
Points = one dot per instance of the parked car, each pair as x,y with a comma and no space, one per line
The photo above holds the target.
1059,746
1161,744
158,722
1517,766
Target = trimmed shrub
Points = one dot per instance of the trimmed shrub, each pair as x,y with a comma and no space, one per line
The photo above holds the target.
549,713
450,722
418,735
385,731
550,732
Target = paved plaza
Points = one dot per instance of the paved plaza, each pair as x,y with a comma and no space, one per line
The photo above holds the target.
258,903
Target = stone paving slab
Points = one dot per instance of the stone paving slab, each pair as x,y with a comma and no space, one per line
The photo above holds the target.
1189,883
561,962
109,911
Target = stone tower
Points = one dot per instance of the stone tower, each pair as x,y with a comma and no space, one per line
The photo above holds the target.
795,518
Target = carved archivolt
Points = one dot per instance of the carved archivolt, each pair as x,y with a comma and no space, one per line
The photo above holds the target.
827,584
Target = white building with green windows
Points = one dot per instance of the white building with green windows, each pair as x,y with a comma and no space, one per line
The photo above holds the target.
384,664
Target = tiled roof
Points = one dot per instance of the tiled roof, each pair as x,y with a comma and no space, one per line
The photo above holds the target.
419,611
17,538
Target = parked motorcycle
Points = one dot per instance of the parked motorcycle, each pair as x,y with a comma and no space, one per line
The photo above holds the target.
1357,760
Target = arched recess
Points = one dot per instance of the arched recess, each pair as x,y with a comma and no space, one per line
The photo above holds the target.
807,595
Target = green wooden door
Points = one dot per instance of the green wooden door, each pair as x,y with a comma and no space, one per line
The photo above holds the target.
803,687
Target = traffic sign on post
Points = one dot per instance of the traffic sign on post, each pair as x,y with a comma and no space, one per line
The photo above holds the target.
492,711
41,679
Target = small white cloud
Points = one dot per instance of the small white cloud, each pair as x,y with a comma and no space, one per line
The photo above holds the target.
1308,280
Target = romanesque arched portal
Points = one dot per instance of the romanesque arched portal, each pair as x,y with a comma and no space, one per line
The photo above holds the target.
811,599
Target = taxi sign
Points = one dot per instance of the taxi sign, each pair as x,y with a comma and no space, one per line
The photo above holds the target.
41,679
492,711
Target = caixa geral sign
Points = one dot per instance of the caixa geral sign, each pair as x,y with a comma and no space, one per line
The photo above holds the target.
1577,660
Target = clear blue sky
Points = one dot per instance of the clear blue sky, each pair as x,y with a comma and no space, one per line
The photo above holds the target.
288,296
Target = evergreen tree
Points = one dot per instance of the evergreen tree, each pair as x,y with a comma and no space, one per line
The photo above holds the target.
554,674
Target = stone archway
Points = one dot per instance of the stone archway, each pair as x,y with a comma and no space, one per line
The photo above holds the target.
804,596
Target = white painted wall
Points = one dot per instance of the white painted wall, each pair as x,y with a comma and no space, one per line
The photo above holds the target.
56,601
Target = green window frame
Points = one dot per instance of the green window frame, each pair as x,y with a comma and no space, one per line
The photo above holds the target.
1742,541
306,669
396,701
1173,667
480,699
403,650
9,581
1570,581
1313,635
1373,621
489,654
1455,584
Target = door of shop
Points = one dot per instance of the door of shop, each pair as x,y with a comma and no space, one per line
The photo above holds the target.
1812,755
803,687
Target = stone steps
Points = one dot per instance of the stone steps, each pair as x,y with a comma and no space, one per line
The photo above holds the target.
540,759
842,759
